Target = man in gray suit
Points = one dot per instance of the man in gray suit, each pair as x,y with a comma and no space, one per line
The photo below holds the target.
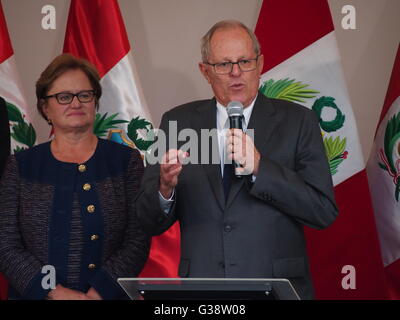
249,227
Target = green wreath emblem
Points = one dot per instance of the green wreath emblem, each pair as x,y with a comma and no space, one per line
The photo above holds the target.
335,152
144,125
103,124
21,131
290,90
391,142
328,102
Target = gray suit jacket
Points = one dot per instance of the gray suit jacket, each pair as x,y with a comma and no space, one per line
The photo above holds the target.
258,232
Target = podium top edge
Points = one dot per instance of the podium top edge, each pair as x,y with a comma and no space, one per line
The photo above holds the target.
206,279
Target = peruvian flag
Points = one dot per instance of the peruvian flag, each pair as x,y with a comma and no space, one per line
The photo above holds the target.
302,64
383,173
96,31
22,132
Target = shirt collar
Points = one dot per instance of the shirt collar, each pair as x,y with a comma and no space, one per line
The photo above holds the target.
222,115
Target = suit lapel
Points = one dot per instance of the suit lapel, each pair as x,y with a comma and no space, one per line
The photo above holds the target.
206,118
263,123
261,120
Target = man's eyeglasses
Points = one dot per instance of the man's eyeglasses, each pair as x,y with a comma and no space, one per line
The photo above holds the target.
67,97
245,65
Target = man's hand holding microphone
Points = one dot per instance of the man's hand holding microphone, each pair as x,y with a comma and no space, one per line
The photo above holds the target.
240,148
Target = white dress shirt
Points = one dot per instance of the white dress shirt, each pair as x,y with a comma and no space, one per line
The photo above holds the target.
222,126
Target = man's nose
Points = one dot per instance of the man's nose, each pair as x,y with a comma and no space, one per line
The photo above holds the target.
236,71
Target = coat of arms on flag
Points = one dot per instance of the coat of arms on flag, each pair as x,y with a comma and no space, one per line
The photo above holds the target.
390,152
288,89
22,132
23,135
383,173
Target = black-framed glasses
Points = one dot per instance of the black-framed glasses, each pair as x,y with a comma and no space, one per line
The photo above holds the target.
67,97
245,65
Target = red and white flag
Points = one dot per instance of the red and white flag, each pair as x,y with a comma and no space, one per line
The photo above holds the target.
23,134
96,31
384,182
302,64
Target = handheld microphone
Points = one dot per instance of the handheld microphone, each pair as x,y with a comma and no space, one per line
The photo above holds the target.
235,114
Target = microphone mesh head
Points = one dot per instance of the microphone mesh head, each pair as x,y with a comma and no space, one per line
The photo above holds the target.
234,108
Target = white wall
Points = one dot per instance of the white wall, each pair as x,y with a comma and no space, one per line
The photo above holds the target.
165,37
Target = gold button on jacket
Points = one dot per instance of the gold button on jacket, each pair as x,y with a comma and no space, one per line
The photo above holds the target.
87,186
82,168
90,208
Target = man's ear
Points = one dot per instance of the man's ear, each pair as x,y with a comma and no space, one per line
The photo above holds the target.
204,70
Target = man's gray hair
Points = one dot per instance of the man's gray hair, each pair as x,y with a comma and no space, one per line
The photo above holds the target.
226,24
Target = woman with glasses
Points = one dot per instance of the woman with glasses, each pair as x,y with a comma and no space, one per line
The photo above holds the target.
68,226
